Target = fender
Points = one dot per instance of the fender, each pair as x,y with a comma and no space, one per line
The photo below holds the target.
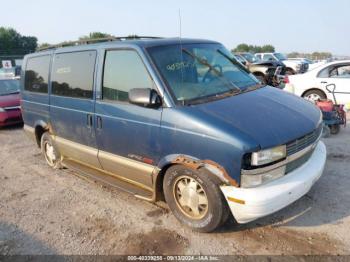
42,124
195,163
40,127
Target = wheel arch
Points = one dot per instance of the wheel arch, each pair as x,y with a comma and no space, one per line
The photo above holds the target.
214,169
314,89
40,127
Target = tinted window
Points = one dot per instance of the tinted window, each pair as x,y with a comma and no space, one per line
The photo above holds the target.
37,73
73,74
123,70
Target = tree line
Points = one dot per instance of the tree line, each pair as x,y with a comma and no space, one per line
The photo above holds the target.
270,49
13,43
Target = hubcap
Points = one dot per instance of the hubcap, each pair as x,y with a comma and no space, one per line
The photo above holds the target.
313,97
50,153
190,197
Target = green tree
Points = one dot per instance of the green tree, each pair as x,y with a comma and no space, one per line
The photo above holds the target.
253,48
267,49
241,48
95,35
13,43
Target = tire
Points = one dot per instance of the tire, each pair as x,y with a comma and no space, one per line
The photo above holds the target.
289,72
49,150
204,217
334,129
313,95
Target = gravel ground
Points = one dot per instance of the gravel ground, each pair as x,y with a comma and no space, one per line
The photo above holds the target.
45,211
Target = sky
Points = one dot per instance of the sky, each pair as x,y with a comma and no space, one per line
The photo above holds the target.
289,25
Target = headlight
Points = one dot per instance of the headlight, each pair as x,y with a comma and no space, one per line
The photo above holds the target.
268,155
257,180
2,110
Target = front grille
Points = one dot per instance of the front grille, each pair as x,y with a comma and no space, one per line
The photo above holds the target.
304,141
291,166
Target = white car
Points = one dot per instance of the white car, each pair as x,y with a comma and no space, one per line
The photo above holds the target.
312,64
313,84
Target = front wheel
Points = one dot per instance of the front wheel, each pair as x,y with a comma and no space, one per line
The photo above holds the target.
194,198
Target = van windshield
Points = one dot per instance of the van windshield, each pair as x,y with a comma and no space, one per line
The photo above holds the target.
197,72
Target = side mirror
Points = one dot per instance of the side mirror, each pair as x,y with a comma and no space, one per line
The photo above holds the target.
146,97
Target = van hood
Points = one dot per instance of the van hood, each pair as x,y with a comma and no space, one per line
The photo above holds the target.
268,115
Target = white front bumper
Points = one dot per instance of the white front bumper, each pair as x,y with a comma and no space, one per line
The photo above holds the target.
275,195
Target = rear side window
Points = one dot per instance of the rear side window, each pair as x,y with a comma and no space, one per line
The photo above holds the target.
73,74
37,74
123,70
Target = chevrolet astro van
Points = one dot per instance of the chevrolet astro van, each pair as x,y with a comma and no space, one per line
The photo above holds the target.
178,120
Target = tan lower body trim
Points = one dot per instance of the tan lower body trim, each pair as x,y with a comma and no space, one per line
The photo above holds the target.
129,170
77,151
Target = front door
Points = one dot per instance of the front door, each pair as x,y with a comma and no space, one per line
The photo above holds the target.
72,105
127,135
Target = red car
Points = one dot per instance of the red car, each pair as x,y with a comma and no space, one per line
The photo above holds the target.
10,110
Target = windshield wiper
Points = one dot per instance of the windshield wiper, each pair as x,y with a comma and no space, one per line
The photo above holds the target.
212,68
11,93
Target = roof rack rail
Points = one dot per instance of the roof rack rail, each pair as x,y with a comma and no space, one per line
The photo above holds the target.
96,40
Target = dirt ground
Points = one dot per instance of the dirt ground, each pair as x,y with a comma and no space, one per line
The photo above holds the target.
43,211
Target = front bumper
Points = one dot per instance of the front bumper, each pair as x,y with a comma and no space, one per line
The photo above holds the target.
248,204
10,118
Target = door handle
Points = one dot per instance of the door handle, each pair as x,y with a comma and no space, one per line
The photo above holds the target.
99,122
323,82
89,120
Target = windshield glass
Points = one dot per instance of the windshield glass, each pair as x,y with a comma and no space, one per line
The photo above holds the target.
199,71
9,87
251,58
280,56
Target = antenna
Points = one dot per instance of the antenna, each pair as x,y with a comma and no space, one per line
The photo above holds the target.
181,52
180,26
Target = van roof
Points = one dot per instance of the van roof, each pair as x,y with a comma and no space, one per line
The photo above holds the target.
140,42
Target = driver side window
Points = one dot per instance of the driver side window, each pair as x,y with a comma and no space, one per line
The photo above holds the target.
268,57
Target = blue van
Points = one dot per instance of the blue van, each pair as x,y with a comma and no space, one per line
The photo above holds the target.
178,120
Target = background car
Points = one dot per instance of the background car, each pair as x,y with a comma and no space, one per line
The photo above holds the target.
268,72
10,110
312,85
312,64
292,67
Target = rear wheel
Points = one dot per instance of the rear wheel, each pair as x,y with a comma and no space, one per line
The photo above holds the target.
194,198
314,95
50,152
261,78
